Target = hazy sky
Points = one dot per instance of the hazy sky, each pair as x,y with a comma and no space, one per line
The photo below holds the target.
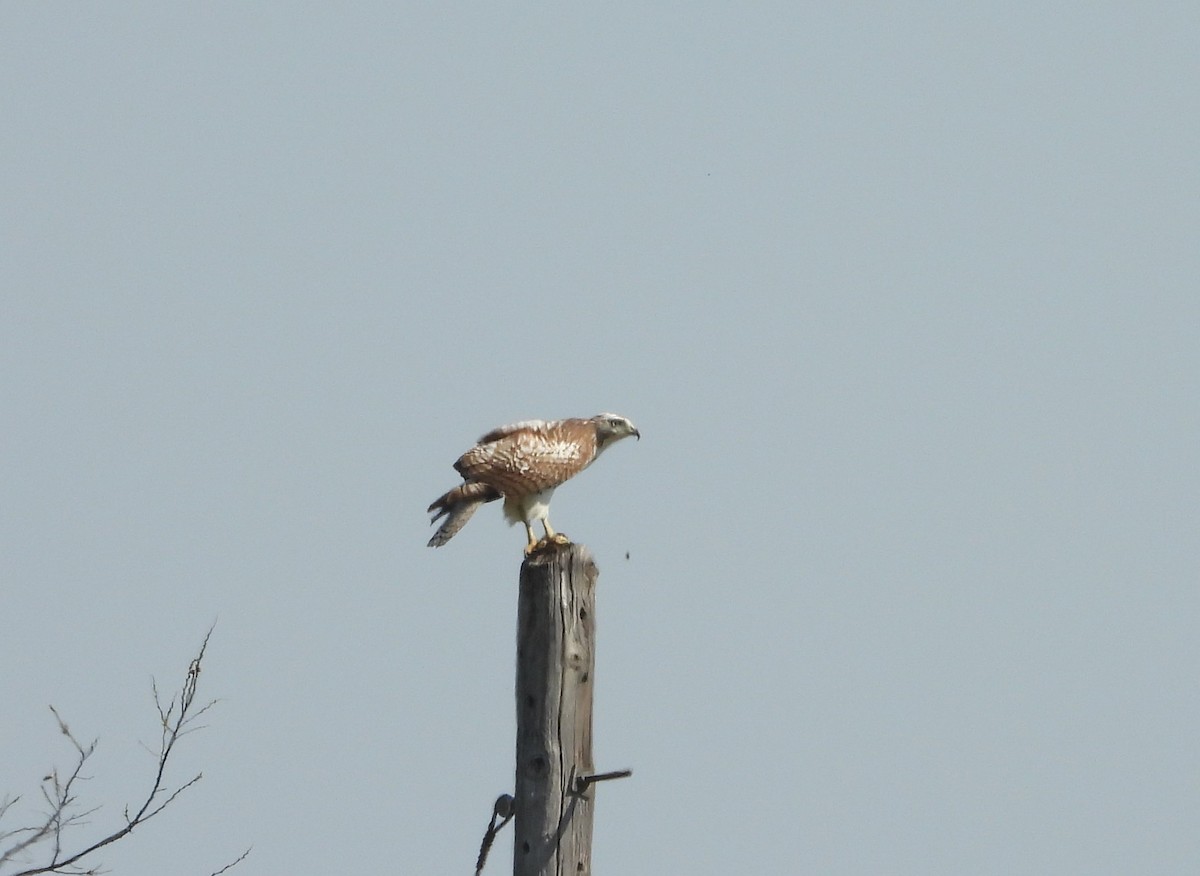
904,301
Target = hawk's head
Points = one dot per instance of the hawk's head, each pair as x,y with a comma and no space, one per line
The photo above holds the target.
613,427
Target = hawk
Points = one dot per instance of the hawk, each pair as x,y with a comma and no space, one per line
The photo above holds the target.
523,464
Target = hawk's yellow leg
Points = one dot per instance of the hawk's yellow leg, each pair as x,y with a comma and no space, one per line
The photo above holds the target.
554,537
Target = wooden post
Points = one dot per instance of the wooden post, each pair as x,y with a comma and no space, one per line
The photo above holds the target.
555,657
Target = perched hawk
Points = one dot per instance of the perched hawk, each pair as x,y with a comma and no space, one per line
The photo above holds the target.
522,464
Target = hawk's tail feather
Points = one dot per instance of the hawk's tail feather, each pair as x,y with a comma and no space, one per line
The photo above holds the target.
457,506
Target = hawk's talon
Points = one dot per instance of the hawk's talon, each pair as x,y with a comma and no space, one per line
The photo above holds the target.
548,543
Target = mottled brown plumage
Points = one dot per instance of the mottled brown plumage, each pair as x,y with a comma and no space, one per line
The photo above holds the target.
523,464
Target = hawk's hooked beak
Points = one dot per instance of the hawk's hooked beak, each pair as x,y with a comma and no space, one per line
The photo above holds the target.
636,434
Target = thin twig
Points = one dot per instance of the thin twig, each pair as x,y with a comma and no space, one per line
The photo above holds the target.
243,856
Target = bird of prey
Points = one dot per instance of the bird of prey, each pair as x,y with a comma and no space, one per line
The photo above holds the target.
523,464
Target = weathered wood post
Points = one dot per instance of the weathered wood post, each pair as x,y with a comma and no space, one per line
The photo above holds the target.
556,629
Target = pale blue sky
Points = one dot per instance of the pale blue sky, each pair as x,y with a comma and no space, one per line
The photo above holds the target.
904,302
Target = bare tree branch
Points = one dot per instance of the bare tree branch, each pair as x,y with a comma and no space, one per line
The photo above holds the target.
177,718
